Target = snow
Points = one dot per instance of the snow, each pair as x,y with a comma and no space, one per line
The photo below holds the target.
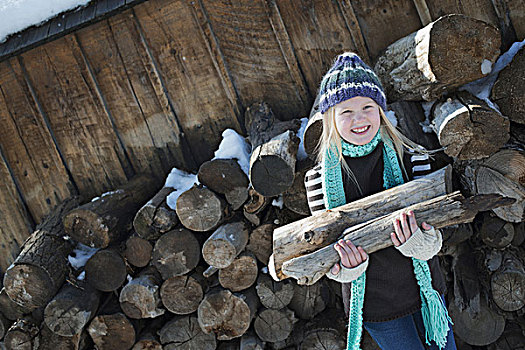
181,181
81,255
81,276
107,194
301,153
391,115
425,125
235,146
278,202
16,15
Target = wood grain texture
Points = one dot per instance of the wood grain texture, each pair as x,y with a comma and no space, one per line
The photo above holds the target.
191,79
479,9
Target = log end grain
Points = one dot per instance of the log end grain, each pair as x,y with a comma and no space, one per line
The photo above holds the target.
112,332
241,273
87,227
106,270
175,253
200,209
29,286
181,295
185,333
138,251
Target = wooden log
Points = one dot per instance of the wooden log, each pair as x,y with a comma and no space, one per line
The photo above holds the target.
155,217
506,90
508,284
184,333
11,310
71,309
295,197
465,124
4,325
240,274
148,342
226,177
274,325
107,219
41,267
175,253
111,332
274,295
106,270
325,331
309,301
374,234
221,248
495,232
260,242
453,235
224,313
182,295
254,207
493,260
312,134
250,341
467,287
519,234
140,298
445,54
52,341
274,149
23,335
512,338
138,251
200,209
312,233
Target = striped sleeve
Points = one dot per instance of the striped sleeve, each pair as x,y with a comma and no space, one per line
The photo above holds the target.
420,164
314,190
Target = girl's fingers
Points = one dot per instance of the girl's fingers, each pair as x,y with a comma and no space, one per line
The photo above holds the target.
426,226
357,255
412,221
335,269
404,226
364,256
394,239
399,233
351,256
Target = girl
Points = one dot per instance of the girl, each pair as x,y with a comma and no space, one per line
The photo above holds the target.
361,153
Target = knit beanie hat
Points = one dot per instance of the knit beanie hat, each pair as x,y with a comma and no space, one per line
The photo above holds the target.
349,77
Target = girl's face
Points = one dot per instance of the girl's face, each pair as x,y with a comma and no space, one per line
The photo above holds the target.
357,119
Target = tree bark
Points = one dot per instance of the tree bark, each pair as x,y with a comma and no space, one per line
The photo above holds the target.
274,325
309,301
309,234
240,274
110,332
138,251
140,298
225,244
108,218
274,295
182,295
176,252
184,333
10,309
23,335
199,209
106,270
312,134
260,242
445,54
155,217
295,197
508,284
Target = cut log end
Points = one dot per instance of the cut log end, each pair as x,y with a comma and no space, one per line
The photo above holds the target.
29,286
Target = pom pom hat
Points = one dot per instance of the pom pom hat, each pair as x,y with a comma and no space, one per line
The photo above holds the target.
349,77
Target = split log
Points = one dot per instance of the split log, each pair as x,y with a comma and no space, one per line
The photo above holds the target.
255,206
240,274
71,309
260,242
312,134
274,325
465,124
107,219
309,301
508,284
221,248
226,177
182,295
250,341
23,335
155,217
274,295
140,297
200,209
176,252
374,234
10,309
455,234
225,314
311,233
52,341
295,197
445,54
4,325
184,333
111,332
138,251
274,150
467,288
41,267
507,91
106,270
495,232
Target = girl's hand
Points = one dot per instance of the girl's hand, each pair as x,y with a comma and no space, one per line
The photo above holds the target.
404,229
350,255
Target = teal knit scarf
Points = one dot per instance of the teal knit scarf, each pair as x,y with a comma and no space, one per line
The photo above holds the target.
434,312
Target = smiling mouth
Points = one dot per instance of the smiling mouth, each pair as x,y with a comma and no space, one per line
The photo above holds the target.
361,130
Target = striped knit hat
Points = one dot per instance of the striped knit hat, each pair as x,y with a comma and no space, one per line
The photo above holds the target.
349,77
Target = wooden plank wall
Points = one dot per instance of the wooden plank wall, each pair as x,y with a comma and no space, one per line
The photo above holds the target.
154,87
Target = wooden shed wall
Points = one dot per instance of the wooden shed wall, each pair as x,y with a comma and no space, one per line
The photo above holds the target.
154,87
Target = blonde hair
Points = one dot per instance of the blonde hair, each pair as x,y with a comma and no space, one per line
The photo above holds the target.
390,135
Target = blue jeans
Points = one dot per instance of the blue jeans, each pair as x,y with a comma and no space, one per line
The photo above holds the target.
405,333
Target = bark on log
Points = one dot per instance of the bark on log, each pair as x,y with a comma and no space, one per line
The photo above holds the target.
456,234
260,242
176,252
221,248
295,197
41,267
445,54
140,298
254,207
23,335
274,295
374,234
138,251
199,209
10,309
274,149
508,89
312,134
309,234
108,218
274,325
71,309
110,332
508,284
155,217
226,177
52,341
465,124
184,333
182,295
225,314
240,274
106,270
309,301
495,232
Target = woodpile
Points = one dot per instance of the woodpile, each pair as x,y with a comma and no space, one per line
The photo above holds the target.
195,274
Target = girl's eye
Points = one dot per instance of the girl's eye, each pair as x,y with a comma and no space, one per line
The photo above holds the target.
368,107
